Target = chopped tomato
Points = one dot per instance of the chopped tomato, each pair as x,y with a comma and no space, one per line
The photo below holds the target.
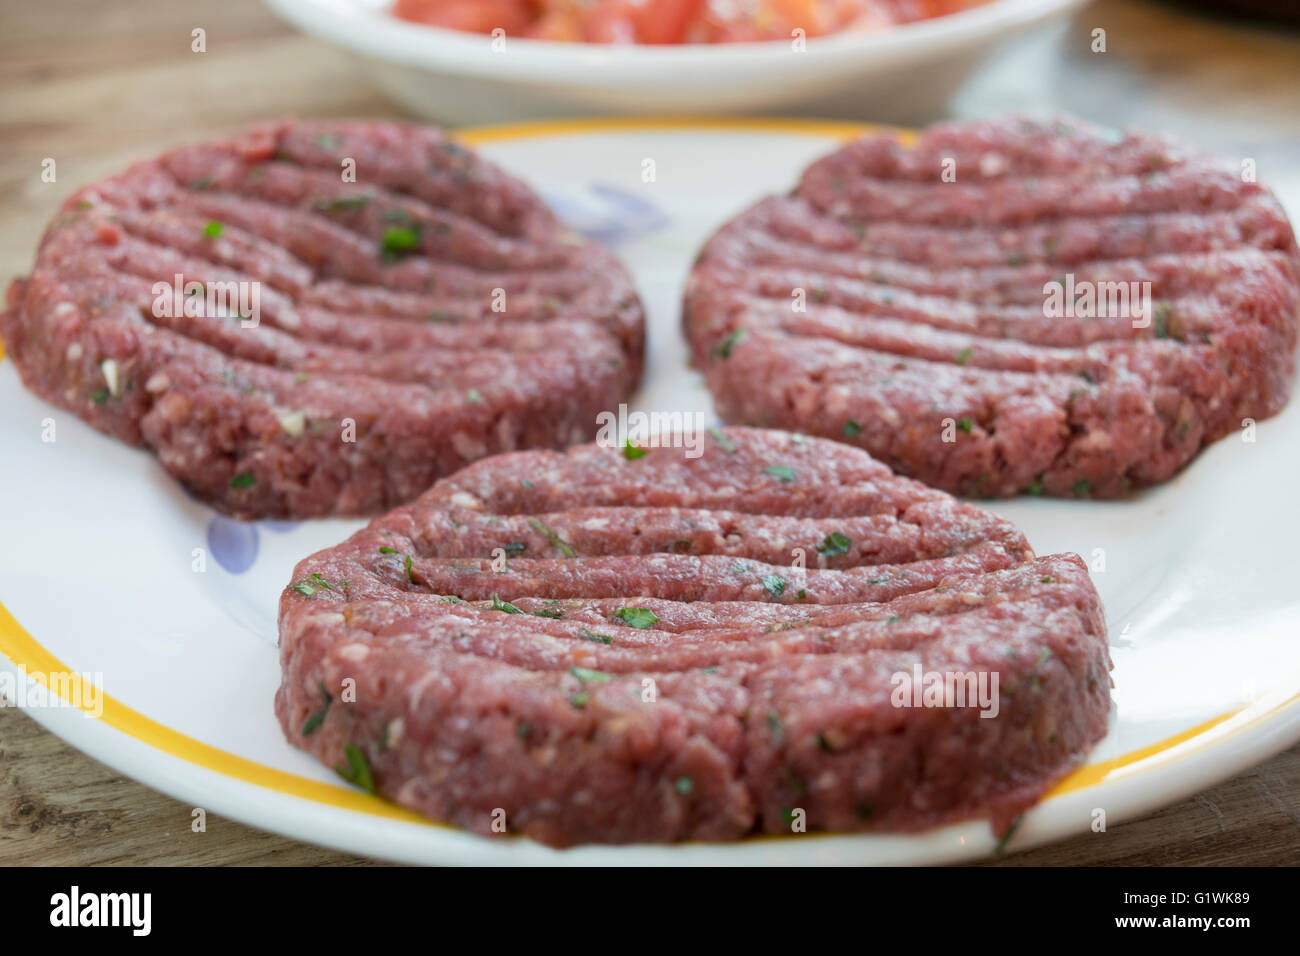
670,21
474,16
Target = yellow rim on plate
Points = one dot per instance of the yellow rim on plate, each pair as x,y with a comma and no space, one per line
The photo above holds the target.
842,130
25,652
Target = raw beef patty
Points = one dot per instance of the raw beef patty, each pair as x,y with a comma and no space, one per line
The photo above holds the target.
294,341
950,306
593,646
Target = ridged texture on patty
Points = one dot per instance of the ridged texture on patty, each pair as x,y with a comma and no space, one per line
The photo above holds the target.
925,305
435,302
520,684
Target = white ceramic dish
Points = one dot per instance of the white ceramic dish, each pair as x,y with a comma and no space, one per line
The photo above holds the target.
902,74
98,549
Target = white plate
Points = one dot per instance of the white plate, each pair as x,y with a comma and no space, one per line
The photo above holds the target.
96,564
895,75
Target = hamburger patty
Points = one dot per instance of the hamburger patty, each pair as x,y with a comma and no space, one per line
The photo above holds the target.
926,320
428,313
592,646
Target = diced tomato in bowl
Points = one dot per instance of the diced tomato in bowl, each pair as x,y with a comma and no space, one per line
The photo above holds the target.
670,21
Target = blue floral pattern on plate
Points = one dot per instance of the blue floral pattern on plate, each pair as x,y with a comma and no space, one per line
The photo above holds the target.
608,214
234,544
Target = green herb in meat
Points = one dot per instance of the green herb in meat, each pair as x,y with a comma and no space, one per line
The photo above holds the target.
638,617
316,719
835,544
559,543
358,770
500,605
725,443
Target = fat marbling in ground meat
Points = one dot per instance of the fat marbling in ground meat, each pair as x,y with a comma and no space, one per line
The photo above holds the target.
623,649
434,303
923,332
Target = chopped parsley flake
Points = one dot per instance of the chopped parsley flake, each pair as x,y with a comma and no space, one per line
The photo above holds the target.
684,785
964,424
245,479
357,771
559,543
343,203
723,349
784,472
852,428
452,599
631,452
638,617
725,443
399,242
1162,320
835,544
593,636
588,676
1006,837
316,719
964,355
500,605
775,584
474,396
213,229
579,700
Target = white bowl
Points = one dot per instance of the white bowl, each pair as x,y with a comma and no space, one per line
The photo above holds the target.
902,74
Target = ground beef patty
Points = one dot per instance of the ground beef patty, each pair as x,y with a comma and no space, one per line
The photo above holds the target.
434,303
925,334
612,648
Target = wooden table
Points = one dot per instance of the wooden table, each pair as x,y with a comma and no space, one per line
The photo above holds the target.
93,84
